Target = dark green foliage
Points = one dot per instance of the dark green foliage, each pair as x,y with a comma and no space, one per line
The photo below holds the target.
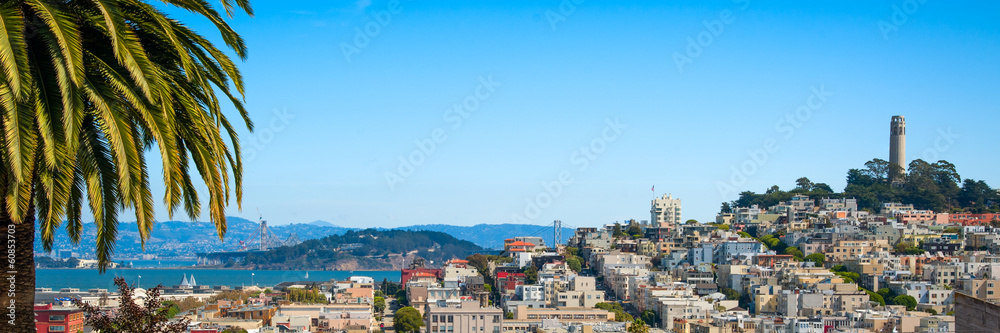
617,230
407,319
373,244
46,262
908,248
731,294
907,300
389,288
634,229
574,263
530,275
308,296
620,314
873,296
817,258
935,186
650,317
401,298
795,252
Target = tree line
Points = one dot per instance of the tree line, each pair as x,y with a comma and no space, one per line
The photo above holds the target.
935,186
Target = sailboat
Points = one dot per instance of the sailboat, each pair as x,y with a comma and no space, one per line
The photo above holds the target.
307,275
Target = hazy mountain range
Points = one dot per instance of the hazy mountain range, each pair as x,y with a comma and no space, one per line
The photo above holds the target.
177,238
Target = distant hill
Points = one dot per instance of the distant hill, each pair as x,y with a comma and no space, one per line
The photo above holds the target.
368,249
321,223
491,236
178,238
185,239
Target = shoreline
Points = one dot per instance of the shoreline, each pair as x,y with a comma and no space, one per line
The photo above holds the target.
227,269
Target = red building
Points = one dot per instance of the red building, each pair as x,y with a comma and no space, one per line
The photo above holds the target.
507,282
59,319
406,274
972,219
769,260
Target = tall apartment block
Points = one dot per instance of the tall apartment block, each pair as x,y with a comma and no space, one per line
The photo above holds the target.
665,212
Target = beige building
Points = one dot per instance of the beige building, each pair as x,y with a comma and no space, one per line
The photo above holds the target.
582,293
666,212
564,315
467,316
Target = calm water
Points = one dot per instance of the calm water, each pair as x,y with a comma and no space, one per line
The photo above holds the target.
90,278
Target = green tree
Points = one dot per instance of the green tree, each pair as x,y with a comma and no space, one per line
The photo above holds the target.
874,297
379,304
638,326
401,298
574,264
650,317
907,300
616,231
817,258
634,230
804,184
731,294
88,89
530,275
620,314
407,319
691,221
794,251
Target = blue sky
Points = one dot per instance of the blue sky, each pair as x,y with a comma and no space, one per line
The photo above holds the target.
331,127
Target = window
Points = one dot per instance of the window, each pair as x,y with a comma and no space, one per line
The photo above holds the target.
496,319
451,319
58,328
62,317
434,318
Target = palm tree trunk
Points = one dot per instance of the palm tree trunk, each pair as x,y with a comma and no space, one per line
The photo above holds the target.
18,274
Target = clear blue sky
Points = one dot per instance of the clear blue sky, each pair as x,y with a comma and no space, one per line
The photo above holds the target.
564,74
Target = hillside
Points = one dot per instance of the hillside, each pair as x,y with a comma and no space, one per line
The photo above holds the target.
368,249
491,236
935,186
178,238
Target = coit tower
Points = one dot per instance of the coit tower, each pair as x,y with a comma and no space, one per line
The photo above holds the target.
897,141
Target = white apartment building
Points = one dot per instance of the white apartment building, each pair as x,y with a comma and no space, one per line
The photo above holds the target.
666,212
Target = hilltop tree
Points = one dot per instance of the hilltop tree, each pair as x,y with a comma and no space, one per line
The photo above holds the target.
935,186
89,91
804,184
634,230
617,230
726,208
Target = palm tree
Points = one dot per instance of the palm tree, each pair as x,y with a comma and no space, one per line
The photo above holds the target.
87,88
